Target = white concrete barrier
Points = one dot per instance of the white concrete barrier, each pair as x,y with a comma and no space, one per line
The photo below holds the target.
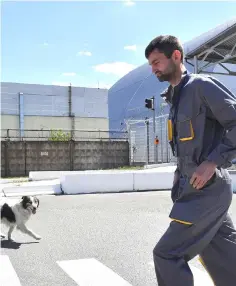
52,187
155,180
118,181
97,182
51,175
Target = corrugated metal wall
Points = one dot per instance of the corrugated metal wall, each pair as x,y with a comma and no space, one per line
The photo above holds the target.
49,100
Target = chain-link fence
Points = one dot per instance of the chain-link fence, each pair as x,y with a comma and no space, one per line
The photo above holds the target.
62,135
143,147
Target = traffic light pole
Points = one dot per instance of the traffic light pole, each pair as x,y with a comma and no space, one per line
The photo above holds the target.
150,104
154,130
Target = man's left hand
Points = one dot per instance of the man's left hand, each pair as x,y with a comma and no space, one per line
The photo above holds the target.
203,174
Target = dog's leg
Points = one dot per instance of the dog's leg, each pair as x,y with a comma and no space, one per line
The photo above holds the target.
26,230
3,235
10,231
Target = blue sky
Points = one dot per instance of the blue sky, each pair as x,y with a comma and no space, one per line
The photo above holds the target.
90,43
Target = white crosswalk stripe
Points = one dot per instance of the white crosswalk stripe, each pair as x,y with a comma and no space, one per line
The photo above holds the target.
90,272
8,274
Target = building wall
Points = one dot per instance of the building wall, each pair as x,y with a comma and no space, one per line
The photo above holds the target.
33,106
50,122
9,121
50,100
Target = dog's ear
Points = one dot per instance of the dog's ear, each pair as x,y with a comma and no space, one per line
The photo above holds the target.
37,201
25,200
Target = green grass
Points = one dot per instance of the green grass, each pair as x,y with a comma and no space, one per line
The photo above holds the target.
233,167
16,179
129,168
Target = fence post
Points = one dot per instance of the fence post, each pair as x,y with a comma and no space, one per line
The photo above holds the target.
71,142
147,154
6,159
129,142
25,158
162,142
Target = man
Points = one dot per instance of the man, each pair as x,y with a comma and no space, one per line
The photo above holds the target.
202,134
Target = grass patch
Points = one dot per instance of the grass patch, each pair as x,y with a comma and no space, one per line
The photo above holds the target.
129,168
233,167
16,179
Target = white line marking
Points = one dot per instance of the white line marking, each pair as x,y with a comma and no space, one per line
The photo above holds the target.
8,275
90,272
200,277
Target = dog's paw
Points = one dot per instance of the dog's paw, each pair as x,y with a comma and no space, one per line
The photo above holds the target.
38,237
10,239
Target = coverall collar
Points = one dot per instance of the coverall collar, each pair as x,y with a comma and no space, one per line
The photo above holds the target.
168,93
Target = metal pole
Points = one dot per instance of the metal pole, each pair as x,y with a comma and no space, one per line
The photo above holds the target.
130,145
161,142
154,130
147,151
195,65
167,144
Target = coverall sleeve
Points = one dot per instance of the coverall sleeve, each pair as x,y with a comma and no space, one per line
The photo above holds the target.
222,104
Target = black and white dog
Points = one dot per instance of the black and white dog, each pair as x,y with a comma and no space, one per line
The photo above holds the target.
18,214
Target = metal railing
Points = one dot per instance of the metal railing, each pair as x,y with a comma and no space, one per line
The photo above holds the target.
62,135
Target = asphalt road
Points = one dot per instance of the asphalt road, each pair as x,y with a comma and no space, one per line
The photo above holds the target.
119,230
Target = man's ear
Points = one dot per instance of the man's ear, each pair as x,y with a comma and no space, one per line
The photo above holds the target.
176,56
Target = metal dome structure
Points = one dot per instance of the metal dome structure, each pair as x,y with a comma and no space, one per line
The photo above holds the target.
126,98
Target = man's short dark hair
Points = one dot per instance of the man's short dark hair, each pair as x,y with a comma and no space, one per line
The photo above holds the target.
166,45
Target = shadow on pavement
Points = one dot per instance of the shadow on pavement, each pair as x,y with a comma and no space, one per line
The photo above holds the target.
10,244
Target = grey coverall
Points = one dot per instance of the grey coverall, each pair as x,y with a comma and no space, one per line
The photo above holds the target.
202,126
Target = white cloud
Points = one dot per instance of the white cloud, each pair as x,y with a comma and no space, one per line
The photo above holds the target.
84,53
45,44
131,48
116,68
69,74
129,3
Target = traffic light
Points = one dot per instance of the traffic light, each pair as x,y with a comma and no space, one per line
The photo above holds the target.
149,103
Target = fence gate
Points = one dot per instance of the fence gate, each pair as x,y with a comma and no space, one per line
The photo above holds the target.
142,141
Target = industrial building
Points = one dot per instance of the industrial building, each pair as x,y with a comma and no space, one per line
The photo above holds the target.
32,110
212,53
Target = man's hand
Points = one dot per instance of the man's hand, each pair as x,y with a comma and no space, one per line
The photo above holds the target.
203,174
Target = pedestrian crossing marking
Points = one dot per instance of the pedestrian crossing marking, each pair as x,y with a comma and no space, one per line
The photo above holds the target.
91,272
8,274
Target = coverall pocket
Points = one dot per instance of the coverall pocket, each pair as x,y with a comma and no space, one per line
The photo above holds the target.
187,190
185,130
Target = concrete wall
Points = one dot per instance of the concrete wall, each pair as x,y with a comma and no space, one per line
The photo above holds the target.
19,158
50,122
40,122
10,121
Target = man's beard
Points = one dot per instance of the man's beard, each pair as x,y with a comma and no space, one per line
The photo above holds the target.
164,77
168,74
